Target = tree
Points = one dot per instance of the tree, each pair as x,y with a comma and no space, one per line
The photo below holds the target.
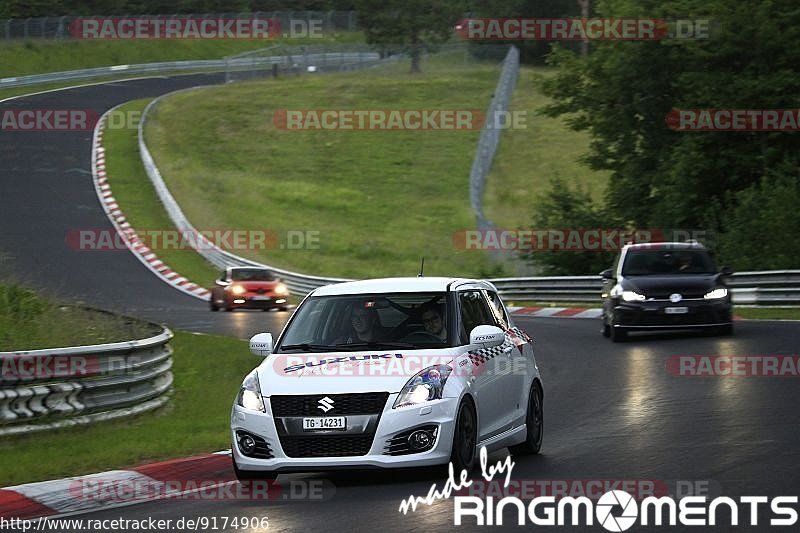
410,24
567,208
623,92
533,51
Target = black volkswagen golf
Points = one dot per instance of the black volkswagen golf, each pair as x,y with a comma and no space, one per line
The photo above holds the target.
658,286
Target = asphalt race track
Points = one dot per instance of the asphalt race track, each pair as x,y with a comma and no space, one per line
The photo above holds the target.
612,411
47,190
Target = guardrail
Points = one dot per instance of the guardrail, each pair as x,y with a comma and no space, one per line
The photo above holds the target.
48,389
779,287
205,65
753,288
298,284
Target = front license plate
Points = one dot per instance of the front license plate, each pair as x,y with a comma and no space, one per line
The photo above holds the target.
325,422
259,298
676,310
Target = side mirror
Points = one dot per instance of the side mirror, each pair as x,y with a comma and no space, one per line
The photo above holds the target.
261,344
607,274
726,271
486,337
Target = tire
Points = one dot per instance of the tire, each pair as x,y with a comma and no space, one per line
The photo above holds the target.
618,334
606,329
253,475
465,439
214,307
283,308
726,330
534,422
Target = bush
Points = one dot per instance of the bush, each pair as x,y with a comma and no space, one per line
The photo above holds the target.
565,208
761,231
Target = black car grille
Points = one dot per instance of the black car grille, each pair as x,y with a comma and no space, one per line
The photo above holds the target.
696,315
369,403
664,295
326,445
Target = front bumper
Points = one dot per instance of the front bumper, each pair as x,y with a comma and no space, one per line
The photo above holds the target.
256,302
441,413
652,315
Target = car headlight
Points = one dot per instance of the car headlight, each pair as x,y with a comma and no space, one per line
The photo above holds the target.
425,386
250,394
280,288
632,296
238,289
716,294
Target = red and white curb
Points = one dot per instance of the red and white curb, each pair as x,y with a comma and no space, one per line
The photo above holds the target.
115,488
128,234
557,312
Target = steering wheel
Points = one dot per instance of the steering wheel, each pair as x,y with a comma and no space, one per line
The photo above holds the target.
421,336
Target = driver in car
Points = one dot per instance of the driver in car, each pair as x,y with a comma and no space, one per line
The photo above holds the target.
433,323
364,325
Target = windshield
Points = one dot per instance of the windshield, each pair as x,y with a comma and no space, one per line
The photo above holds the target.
252,274
667,262
363,322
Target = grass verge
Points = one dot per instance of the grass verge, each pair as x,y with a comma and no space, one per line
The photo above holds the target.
529,157
379,199
30,322
20,58
768,313
208,371
138,199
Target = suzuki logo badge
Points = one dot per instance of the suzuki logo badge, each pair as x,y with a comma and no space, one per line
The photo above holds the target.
326,404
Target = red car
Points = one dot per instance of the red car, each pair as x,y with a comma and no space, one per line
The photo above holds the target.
248,288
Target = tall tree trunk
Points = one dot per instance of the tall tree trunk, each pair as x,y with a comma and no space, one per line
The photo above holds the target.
416,53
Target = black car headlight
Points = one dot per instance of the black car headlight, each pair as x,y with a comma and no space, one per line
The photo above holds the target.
632,296
427,385
716,294
250,394
626,295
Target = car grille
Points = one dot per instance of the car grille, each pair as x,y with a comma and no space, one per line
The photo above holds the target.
664,295
369,403
326,445
696,315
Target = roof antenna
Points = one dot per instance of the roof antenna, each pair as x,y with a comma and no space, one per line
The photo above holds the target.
421,267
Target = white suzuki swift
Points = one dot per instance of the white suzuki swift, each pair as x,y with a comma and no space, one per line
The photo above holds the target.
388,373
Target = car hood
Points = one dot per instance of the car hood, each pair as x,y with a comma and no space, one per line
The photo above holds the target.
255,285
348,372
687,285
